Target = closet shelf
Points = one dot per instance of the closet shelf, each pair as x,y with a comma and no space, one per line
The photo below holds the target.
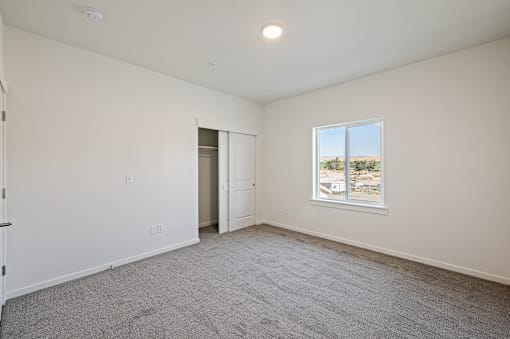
211,148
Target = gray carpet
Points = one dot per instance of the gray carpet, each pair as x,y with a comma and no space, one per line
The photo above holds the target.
264,282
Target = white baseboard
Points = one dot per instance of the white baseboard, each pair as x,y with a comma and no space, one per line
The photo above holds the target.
89,271
207,223
411,257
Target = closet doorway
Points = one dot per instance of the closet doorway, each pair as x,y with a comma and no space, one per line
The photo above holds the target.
208,179
226,180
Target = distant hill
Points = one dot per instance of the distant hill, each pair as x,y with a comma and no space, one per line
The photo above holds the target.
359,157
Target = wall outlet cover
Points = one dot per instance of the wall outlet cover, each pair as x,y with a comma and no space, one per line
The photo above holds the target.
130,179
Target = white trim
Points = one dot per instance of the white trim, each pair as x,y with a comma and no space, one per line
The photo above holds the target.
350,206
223,182
260,222
315,168
431,262
347,166
220,126
208,223
383,161
194,185
89,271
352,124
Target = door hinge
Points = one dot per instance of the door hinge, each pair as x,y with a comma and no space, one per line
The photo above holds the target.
4,116
4,194
4,270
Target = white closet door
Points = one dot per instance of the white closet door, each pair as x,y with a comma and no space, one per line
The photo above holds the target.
222,181
2,203
241,180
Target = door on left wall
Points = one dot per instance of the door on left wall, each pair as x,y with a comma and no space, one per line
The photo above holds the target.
3,223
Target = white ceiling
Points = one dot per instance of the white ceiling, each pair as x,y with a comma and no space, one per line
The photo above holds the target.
325,41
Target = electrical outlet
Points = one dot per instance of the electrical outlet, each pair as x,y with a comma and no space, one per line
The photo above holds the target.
160,228
285,210
153,229
130,179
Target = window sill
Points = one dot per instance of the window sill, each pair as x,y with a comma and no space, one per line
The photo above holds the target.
350,206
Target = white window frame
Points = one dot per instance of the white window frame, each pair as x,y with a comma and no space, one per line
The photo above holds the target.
349,204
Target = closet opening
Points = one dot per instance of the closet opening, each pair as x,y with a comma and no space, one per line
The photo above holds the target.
225,180
208,177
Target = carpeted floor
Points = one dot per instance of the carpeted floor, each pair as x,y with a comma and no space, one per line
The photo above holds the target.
264,282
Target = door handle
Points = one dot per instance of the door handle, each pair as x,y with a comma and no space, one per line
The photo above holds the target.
5,224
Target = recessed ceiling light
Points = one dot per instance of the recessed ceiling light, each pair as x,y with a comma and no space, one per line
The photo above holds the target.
272,31
93,14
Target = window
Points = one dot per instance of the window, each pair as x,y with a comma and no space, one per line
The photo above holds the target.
348,163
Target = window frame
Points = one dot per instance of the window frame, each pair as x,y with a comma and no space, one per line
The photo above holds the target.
351,204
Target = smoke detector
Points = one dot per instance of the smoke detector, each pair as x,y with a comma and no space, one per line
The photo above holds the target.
93,14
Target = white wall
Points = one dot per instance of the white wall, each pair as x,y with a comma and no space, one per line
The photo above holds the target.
2,57
78,123
447,123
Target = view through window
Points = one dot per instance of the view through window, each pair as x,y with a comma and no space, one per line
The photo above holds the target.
349,162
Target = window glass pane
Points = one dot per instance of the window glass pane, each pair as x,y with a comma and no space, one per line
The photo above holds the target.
332,163
365,162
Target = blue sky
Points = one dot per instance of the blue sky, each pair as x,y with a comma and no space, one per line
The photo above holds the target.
364,140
